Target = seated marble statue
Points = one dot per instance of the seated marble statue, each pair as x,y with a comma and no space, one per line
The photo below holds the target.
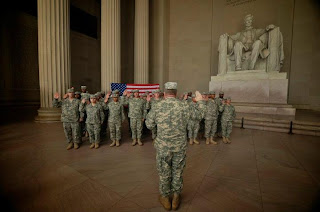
243,50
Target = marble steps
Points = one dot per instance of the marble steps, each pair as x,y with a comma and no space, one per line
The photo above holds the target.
279,125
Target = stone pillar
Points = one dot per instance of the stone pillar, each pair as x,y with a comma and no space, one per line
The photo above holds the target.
54,55
141,42
110,43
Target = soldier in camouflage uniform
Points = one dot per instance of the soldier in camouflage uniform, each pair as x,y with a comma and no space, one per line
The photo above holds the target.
116,117
171,117
95,117
77,95
70,117
137,115
219,101
84,95
210,117
150,104
193,123
227,117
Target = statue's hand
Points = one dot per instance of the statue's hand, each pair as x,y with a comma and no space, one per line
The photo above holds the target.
270,27
225,35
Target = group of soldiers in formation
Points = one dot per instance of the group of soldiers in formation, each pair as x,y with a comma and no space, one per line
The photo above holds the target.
171,120
88,114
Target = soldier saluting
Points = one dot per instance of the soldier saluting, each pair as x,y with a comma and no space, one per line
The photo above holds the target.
171,117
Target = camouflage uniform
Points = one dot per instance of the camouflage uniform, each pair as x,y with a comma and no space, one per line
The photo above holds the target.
70,118
171,117
95,117
137,112
219,102
150,105
211,116
115,119
193,123
227,117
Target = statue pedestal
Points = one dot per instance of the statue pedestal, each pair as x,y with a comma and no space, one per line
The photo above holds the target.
255,91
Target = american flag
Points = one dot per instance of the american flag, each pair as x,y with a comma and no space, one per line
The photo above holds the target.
141,87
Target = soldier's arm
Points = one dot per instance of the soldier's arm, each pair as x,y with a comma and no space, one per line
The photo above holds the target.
104,106
144,111
102,116
221,108
56,103
123,117
151,119
234,113
125,100
82,107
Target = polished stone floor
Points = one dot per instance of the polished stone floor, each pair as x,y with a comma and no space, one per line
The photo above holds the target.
259,171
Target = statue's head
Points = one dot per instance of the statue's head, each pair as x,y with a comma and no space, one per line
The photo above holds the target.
248,19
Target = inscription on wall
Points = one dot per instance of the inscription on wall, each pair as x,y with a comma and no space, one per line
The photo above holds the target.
234,3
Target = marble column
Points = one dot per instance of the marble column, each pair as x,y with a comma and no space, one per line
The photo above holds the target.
54,55
141,42
110,43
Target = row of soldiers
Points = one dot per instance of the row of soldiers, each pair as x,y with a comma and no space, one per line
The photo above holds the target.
83,112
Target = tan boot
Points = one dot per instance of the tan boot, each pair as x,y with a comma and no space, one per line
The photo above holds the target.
117,143
207,141
134,142
70,145
165,202
139,142
228,140
96,145
113,143
195,141
175,201
92,146
75,145
191,141
212,141
224,140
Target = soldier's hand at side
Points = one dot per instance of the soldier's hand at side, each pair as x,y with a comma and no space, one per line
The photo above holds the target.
198,96
83,101
56,95
142,120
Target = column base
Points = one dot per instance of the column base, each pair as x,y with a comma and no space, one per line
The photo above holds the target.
48,115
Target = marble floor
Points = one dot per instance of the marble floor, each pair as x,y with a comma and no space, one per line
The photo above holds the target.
259,171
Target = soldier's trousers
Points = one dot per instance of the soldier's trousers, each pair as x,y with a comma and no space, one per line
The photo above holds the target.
170,166
193,128
136,128
72,131
115,130
210,128
226,128
219,127
154,132
94,132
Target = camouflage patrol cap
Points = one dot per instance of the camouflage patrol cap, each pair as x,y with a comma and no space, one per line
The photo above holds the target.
228,98
115,95
193,96
93,96
144,94
171,85
115,91
70,90
221,92
212,93
102,92
156,91
98,94
204,93
77,92
83,87
135,91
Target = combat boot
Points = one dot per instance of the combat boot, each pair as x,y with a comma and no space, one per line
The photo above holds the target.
228,140
76,145
96,145
175,201
139,142
117,143
207,141
212,141
224,140
195,141
91,146
165,202
113,143
70,145
191,141
134,142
